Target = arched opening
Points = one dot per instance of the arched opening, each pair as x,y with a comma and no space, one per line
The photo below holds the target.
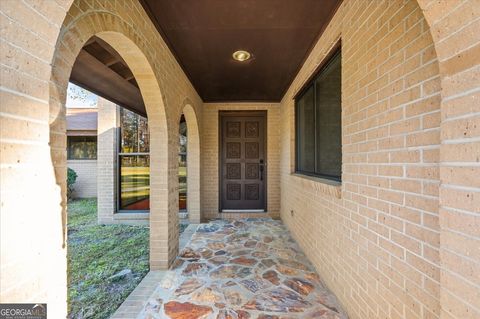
162,247
192,162
111,187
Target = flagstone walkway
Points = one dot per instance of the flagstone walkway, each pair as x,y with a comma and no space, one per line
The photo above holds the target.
250,268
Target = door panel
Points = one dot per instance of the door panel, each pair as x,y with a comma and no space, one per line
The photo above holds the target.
242,160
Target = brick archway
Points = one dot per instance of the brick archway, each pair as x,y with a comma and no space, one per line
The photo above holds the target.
193,163
454,29
124,39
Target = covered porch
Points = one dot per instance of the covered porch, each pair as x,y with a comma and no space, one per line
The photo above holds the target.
332,158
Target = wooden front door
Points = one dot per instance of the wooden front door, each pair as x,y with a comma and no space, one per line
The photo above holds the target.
242,160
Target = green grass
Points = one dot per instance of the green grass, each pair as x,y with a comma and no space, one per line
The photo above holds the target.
97,252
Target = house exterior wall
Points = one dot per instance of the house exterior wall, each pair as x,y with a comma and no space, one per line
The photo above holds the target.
193,164
107,143
86,184
33,265
383,240
454,26
209,155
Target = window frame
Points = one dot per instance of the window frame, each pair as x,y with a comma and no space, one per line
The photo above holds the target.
119,154
84,137
311,83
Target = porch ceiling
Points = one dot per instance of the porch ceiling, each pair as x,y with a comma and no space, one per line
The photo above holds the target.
101,70
203,34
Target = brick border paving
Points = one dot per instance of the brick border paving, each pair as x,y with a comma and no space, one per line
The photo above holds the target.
137,299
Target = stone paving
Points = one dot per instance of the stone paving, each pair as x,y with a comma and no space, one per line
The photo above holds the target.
136,300
249,268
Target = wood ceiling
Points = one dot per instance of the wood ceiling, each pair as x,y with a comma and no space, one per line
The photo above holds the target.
203,34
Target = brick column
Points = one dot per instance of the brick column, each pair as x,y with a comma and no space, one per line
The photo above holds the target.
193,164
107,160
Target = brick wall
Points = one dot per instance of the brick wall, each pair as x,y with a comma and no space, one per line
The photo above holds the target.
454,26
86,184
193,163
32,246
387,241
107,143
375,238
40,41
209,156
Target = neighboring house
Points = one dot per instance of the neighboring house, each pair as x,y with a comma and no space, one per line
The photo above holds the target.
82,149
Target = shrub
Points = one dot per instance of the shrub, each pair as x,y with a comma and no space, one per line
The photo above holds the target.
71,178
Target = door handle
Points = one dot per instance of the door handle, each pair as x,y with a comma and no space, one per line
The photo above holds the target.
261,169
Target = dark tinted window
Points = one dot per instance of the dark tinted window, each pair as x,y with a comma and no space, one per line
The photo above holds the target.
82,147
318,123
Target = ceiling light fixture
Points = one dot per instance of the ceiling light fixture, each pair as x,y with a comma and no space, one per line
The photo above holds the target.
241,55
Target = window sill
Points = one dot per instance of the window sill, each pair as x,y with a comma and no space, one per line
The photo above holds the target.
323,185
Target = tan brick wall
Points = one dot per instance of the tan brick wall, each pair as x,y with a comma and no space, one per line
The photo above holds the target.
209,156
378,246
32,251
40,40
107,143
375,238
454,27
86,184
193,163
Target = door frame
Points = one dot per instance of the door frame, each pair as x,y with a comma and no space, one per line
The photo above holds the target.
257,113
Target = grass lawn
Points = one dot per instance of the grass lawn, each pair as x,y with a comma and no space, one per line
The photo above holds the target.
95,253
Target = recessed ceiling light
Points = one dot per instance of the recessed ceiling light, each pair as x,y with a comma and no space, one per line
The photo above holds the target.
241,55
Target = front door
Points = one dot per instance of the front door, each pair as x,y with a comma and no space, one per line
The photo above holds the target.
242,160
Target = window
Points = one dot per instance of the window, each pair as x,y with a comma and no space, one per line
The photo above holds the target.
134,162
318,123
182,165
82,147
